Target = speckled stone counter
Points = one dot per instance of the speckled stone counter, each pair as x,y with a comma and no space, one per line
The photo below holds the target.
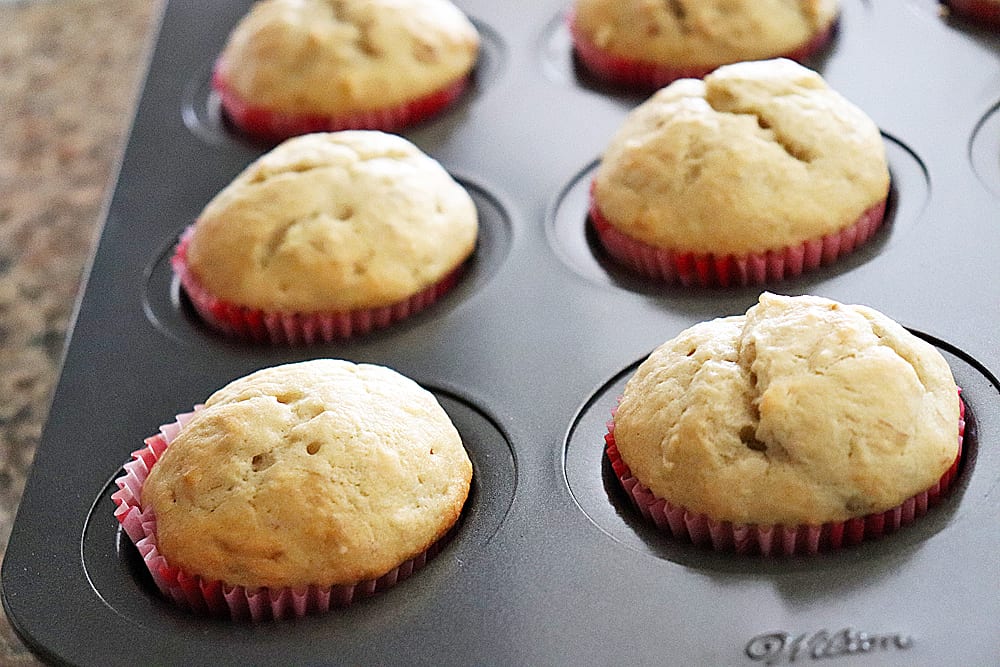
70,71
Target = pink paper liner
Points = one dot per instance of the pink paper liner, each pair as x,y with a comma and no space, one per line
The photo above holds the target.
979,10
635,73
710,270
775,540
296,328
272,125
216,598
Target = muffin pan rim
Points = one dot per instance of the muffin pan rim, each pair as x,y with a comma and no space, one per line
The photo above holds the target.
167,309
564,223
561,66
646,539
486,510
204,118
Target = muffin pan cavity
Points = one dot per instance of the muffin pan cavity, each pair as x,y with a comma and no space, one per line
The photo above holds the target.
560,65
575,241
169,310
119,578
984,150
202,111
599,495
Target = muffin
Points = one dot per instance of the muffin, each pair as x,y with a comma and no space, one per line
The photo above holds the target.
756,173
983,11
298,66
803,425
294,489
649,44
328,235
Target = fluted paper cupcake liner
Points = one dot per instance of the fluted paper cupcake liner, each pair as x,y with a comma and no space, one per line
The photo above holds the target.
634,73
296,328
216,598
775,540
273,125
710,270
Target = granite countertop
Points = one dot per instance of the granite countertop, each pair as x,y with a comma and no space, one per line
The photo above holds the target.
70,73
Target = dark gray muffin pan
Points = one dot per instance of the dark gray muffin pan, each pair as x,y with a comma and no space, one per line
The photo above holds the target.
550,564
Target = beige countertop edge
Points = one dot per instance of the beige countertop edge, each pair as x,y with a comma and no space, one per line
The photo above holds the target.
70,76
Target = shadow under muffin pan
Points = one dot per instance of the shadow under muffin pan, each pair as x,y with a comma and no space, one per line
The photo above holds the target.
550,564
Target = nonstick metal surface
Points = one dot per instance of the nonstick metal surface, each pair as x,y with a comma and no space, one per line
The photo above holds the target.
550,564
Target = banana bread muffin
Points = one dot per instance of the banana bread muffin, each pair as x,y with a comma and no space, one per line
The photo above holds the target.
803,413
298,66
649,44
328,235
755,173
320,475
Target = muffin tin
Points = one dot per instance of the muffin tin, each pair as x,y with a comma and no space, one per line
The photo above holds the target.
550,564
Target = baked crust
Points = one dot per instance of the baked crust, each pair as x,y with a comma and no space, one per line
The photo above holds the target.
331,222
802,411
335,57
321,472
700,33
758,156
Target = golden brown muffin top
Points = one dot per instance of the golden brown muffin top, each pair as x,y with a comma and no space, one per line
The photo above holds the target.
702,33
333,57
758,156
321,472
331,222
802,411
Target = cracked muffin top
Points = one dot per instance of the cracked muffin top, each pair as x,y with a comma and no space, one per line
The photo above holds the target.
321,472
756,156
331,222
801,411
334,57
700,33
